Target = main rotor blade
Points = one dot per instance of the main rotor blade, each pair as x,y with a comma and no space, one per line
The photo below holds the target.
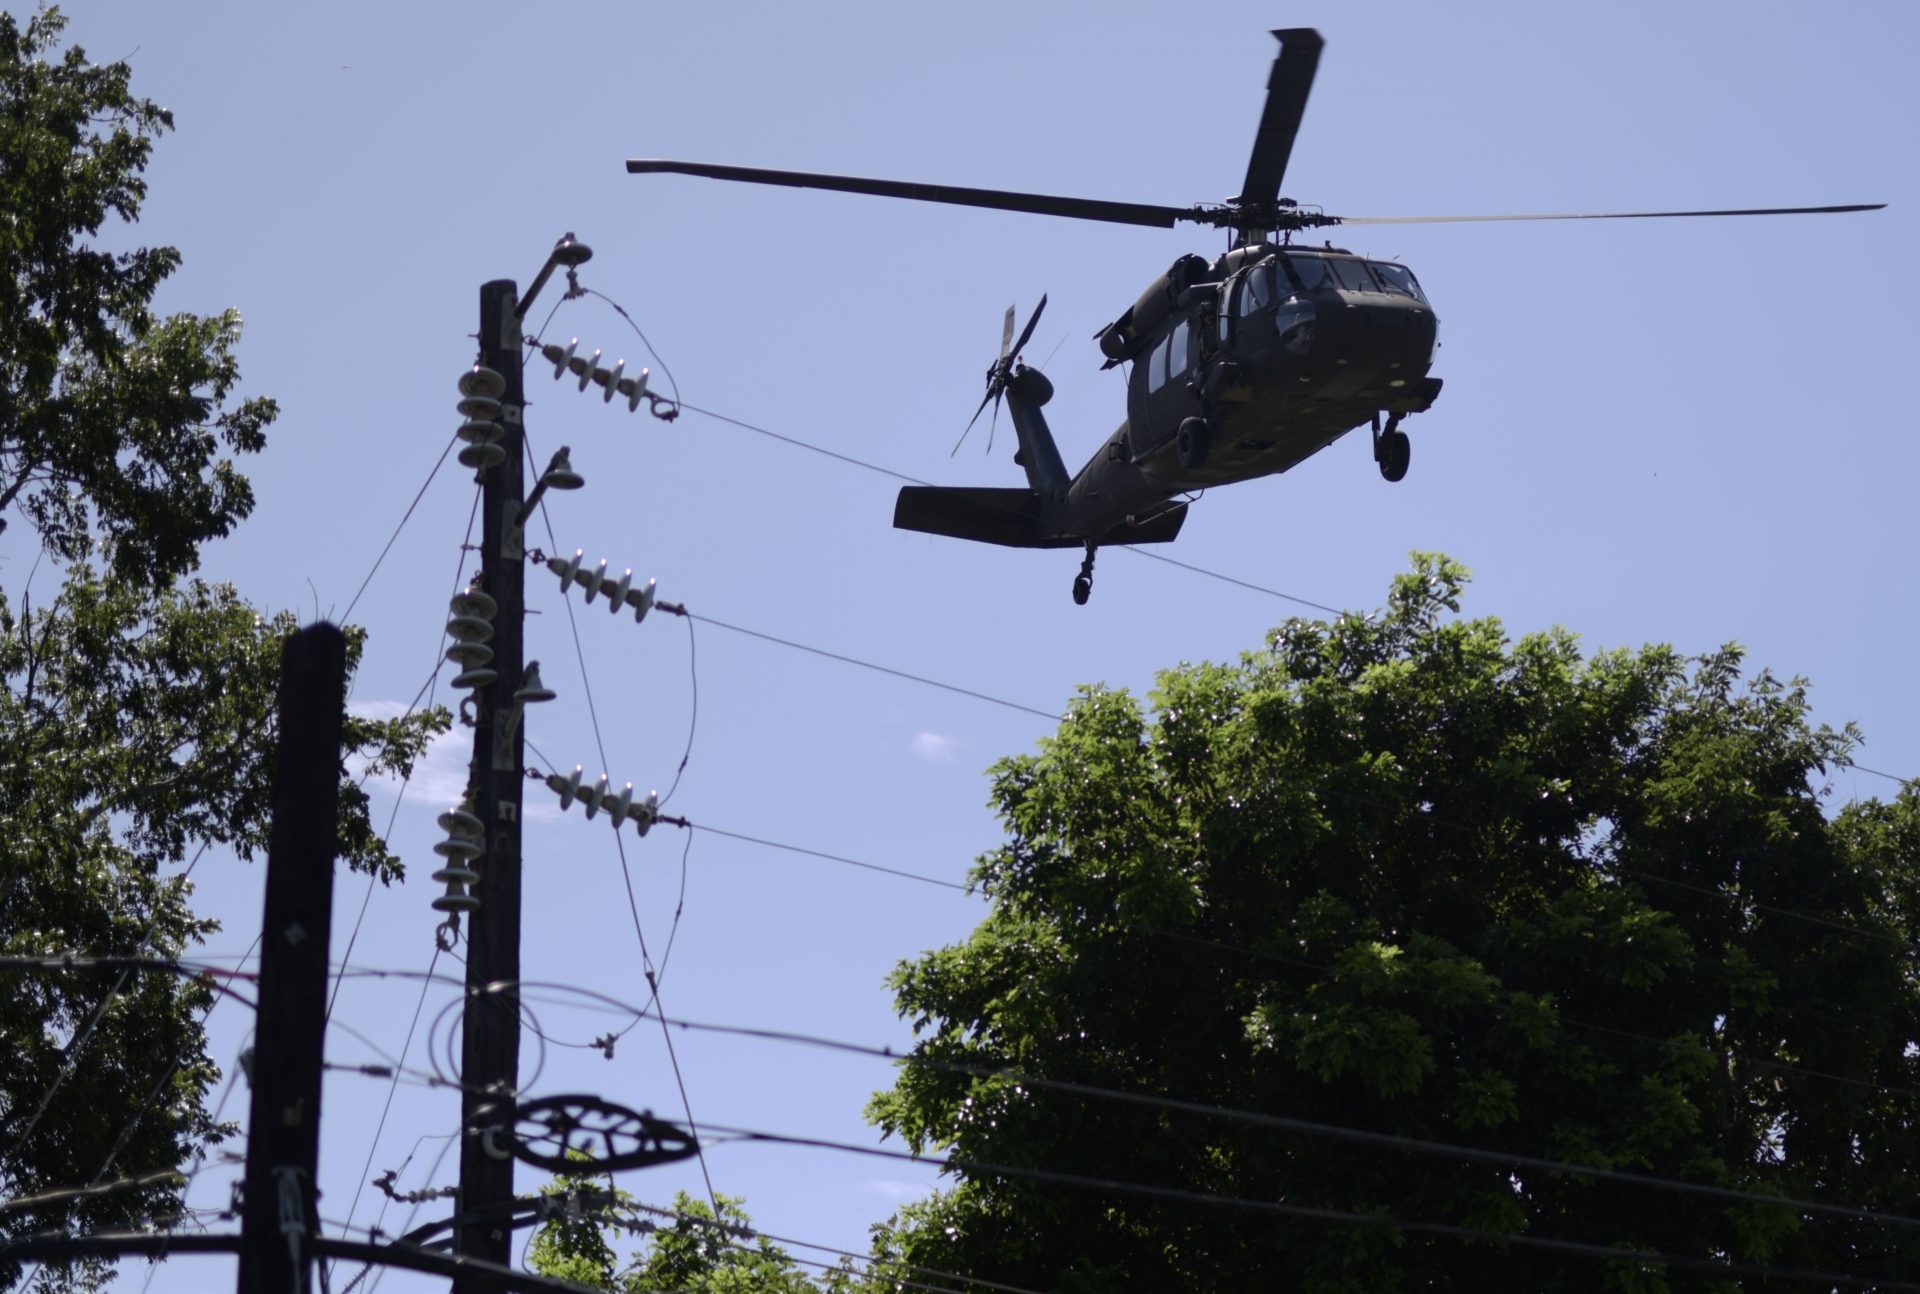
1119,213
1287,87
1026,334
1606,215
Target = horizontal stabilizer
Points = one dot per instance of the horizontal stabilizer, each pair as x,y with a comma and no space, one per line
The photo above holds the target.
989,516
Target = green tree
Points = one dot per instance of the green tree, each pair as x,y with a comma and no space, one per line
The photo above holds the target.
1400,873
137,712
692,1253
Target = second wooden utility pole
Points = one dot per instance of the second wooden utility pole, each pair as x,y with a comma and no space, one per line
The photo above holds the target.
279,1223
490,1072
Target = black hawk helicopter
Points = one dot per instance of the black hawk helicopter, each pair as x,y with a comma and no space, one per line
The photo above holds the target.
1243,365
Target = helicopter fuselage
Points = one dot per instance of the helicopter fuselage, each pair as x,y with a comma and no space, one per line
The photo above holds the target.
1278,351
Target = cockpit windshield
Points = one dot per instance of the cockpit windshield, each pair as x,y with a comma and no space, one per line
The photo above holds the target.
1315,272
1310,272
1397,279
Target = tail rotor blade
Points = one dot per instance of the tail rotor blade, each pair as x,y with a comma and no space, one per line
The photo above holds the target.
991,392
1006,333
1026,334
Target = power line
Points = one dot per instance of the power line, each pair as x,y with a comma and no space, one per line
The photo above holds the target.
1310,1127
405,517
1891,777
648,968
832,858
849,459
428,689
863,664
729,1228
71,1194
1609,1253
1250,1118
373,1146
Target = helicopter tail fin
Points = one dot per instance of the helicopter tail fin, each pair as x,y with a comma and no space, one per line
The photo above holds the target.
1009,517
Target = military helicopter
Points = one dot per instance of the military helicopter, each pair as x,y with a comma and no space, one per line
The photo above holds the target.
1243,365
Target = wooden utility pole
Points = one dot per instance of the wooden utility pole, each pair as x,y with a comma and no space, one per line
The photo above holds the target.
280,1221
490,1070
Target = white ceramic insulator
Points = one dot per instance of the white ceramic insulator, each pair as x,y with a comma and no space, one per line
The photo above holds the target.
568,788
617,590
612,381
643,815
470,629
641,600
558,357
635,389
461,822
566,568
468,655
460,847
597,582
472,602
455,900
617,806
592,800
480,431
586,370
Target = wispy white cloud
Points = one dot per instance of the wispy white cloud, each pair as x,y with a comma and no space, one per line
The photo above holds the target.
935,747
439,775
896,1190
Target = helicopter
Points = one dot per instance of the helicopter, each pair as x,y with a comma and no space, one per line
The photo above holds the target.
1243,365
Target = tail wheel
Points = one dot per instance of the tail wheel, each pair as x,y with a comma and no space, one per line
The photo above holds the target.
1193,441
1396,452
1082,590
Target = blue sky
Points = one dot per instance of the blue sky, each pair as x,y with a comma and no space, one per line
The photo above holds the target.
1685,431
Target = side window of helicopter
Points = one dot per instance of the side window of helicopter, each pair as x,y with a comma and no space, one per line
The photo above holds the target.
1398,279
1157,367
1178,348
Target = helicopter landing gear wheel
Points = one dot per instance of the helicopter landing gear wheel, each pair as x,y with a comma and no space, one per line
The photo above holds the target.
1192,442
1396,451
1083,582
1391,448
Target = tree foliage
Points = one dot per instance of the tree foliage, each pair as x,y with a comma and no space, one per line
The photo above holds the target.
137,708
1403,874
694,1252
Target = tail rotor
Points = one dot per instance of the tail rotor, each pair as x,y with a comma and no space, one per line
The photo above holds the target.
999,372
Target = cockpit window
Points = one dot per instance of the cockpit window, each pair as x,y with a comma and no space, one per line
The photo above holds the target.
1257,293
1310,272
1353,276
1397,279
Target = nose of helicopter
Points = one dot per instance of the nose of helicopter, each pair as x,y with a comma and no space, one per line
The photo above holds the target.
1366,338
1373,331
